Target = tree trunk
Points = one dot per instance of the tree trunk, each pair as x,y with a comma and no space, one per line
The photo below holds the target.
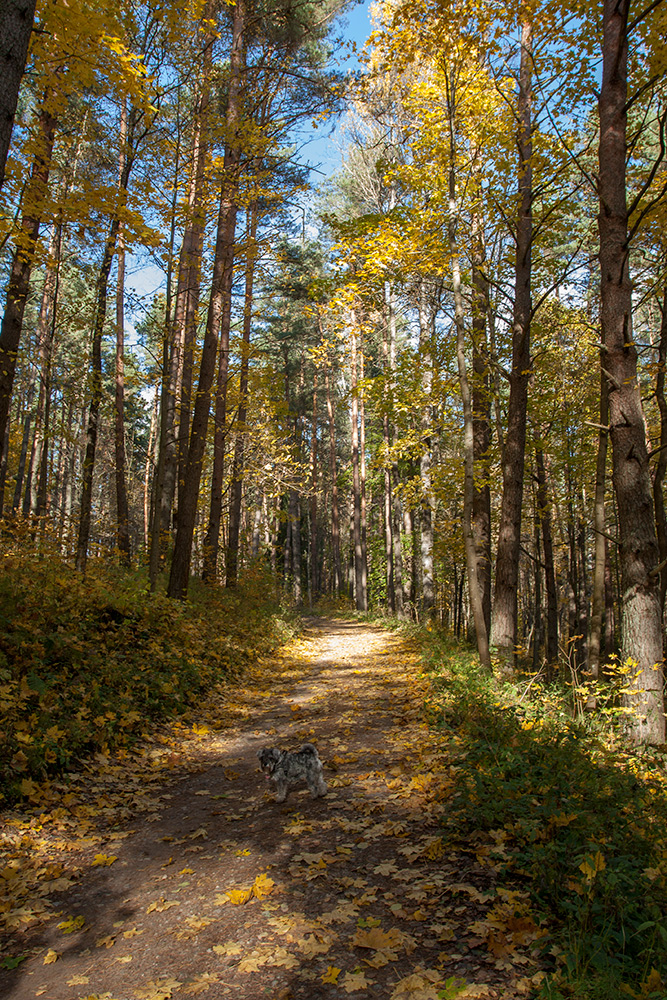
122,511
598,597
219,303
471,548
313,591
544,509
232,560
335,517
16,20
504,614
19,277
397,514
661,464
481,422
361,599
426,519
639,556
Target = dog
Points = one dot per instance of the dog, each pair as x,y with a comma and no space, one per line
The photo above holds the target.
284,769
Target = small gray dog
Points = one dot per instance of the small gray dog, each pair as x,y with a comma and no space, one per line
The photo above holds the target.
284,769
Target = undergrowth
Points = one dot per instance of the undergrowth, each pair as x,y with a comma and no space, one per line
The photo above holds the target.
573,814
87,662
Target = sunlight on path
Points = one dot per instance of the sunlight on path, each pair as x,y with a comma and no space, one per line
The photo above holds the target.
125,883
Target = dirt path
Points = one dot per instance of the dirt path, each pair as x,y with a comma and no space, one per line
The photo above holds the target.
132,883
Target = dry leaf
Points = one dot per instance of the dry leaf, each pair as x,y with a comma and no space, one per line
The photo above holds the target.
51,957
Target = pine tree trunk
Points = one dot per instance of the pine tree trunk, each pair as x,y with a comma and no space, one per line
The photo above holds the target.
504,612
232,559
220,301
16,20
122,511
313,590
335,517
639,555
18,284
359,575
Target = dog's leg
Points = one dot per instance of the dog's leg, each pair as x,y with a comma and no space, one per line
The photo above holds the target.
281,791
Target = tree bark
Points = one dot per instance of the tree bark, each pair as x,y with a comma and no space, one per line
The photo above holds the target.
19,278
16,20
544,510
335,517
481,421
313,589
600,558
232,560
219,303
425,458
471,549
360,594
661,464
122,510
504,613
639,556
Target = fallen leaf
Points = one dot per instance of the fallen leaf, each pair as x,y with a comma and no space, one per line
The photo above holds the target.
51,957
78,981
331,975
104,859
353,981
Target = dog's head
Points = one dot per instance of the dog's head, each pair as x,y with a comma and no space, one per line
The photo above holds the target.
268,759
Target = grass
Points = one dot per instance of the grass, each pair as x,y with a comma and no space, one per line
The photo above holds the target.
87,663
577,817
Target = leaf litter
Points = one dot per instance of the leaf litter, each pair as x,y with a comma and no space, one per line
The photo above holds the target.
177,851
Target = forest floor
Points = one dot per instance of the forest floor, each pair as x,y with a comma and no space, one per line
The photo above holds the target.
170,871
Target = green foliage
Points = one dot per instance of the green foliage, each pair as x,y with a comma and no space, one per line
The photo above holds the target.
86,663
578,820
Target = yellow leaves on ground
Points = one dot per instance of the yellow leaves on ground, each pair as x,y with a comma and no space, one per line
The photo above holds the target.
354,981
161,904
200,983
331,975
71,925
593,864
159,989
261,887
104,860
51,957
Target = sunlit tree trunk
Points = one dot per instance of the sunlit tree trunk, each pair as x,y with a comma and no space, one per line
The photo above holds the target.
396,507
426,513
335,517
471,551
232,560
360,594
313,498
504,611
639,555
220,301
122,510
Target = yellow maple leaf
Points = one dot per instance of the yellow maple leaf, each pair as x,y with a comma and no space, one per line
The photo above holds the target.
262,886
331,975
353,981
105,942
104,859
200,983
78,981
71,925
51,957
239,896
230,948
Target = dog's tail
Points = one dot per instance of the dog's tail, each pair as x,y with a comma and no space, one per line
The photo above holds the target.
308,748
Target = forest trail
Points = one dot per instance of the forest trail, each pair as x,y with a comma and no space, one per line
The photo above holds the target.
173,873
